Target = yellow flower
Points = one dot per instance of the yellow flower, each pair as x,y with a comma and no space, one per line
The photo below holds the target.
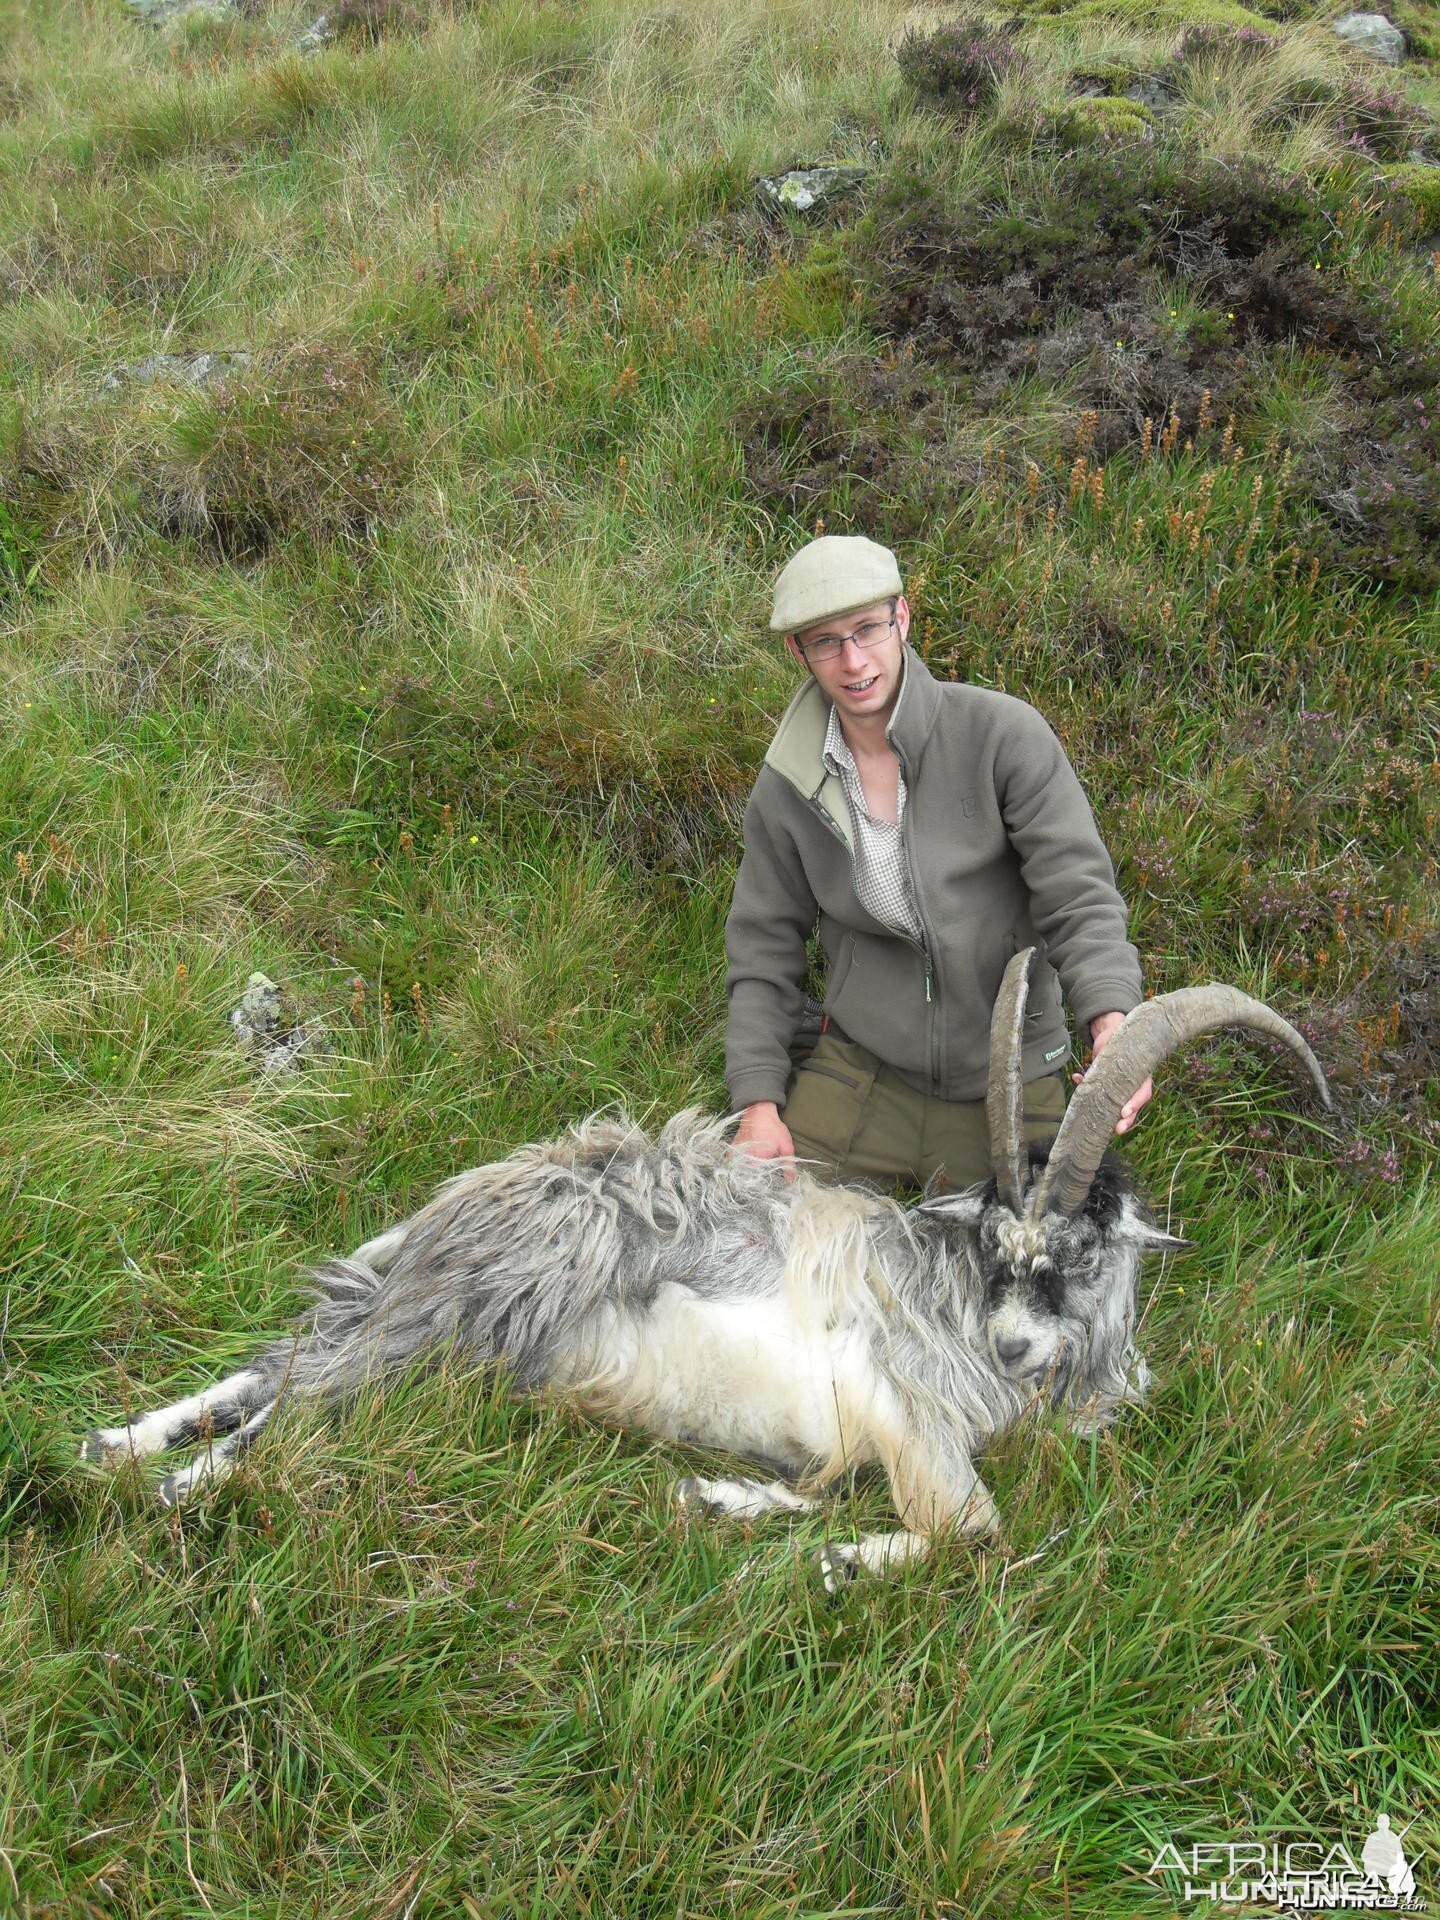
474,839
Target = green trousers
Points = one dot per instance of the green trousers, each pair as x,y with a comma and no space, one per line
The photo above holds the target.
855,1120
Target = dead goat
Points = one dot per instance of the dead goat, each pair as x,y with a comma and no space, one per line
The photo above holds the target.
680,1286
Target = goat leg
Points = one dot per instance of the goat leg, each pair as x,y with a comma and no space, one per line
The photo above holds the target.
741,1499
184,1423
935,1488
215,1462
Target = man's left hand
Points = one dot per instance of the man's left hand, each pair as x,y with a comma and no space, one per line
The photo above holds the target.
1101,1028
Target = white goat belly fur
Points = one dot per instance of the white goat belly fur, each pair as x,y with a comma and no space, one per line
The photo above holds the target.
742,1375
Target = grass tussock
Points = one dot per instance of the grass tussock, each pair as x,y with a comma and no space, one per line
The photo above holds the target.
309,445
415,660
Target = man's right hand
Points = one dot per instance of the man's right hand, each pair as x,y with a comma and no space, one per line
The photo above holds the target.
763,1134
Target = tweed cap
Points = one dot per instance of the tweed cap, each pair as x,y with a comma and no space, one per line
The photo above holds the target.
836,574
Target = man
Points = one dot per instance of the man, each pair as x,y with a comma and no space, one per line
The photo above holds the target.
932,830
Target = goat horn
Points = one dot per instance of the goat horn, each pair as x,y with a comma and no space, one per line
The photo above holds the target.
1149,1035
1004,1095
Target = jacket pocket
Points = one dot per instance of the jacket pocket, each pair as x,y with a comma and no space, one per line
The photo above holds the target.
832,1073
826,1099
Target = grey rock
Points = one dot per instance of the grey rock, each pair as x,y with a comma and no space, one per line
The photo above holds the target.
1372,33
318,34
1150,90
181,369
260,1027
258,1015
808,189
161,13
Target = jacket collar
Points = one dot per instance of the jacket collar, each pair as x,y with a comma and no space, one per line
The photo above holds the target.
797,752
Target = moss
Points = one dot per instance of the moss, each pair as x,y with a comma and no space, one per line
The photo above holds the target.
1144,14
1102,118
1417,23
1420,185
1104,77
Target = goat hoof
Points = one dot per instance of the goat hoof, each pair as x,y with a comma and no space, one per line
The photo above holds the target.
838,1566
173,1489
104,1446
693,1495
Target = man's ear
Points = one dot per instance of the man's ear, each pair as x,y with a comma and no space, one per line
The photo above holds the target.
902,616
793,645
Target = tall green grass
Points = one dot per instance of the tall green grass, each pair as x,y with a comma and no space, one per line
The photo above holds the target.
422,667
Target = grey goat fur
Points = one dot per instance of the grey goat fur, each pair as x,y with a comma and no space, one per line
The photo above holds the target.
675,1284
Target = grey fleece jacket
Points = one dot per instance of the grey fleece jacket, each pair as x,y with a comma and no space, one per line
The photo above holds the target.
1003,854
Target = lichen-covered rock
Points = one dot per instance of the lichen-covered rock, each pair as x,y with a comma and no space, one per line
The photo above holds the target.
160,13
362,21
260,1027
1119,80
1372,33
318,34
181,369
1152,92
808,189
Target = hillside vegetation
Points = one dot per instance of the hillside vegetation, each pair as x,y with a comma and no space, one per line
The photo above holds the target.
412,652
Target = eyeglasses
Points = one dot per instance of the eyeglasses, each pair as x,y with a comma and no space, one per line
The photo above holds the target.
829,644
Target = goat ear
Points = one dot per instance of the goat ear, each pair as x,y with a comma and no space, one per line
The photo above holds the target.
1156,1240
959,1209
1133,1228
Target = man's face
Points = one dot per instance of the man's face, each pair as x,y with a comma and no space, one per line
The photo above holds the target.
861,675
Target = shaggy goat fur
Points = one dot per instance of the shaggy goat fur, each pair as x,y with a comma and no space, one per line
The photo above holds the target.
680,1286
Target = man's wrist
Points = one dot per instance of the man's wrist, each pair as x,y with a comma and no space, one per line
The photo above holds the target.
756,1086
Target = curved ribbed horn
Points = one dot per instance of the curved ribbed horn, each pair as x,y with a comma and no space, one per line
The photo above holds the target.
1004,1095
1148,1036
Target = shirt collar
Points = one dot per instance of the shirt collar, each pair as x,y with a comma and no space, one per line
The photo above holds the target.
836,750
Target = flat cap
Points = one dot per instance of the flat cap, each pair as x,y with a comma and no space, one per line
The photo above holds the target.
835,574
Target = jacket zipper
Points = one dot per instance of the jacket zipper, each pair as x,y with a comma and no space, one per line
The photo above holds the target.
922,945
